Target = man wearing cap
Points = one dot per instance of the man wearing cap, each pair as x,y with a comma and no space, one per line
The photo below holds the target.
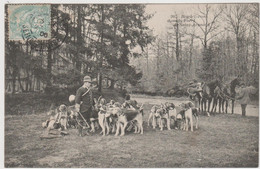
84,102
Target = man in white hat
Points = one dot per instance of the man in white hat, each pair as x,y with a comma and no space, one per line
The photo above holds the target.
84,102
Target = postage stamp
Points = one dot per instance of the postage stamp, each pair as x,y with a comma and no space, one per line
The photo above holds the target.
29,22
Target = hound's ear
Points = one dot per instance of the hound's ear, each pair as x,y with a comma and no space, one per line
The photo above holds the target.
99,99
186,105
105,101
190,104
141,107
95,100
173,106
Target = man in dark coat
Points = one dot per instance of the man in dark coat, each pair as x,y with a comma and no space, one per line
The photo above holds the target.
243,96
84,103
194,90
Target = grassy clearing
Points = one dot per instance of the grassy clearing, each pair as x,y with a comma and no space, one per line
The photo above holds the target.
221,141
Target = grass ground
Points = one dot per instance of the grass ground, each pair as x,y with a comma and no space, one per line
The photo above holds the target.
223,140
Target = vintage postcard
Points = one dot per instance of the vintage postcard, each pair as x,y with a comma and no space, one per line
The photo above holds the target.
137,85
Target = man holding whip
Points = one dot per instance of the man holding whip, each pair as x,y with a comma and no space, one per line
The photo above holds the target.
84,104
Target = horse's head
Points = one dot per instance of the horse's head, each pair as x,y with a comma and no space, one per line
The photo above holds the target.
217,83
234,83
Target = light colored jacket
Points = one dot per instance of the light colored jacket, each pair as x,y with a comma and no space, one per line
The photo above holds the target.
243,96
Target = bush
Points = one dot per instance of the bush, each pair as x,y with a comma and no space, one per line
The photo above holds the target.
177,91
30,103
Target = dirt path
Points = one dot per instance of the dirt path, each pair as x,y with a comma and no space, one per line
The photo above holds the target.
252,110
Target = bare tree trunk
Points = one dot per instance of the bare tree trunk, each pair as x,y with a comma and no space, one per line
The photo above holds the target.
147,61
191,49
49,65
79,39
102,53
14,79
177,42
19,80
112,84
256,56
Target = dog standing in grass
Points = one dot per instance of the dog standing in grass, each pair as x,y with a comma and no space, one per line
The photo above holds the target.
187,113
72,112
103,115
161,114
63,117
152,116
125,116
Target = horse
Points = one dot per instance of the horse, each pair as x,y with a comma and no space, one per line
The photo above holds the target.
208,94
218,98
224,93
229,93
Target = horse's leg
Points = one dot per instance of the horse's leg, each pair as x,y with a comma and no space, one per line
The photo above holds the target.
219,104
222,104
205,105
199,100
209,102
201,105
226,105
214,105
233,102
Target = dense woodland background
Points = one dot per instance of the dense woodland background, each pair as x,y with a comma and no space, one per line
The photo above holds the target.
113,44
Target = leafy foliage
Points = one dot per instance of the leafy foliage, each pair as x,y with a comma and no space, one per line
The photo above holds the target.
90,39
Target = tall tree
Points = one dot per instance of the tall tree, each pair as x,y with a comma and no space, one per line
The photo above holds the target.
207,20
236,19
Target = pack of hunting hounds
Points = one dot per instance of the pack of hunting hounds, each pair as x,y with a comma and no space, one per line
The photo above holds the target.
114,117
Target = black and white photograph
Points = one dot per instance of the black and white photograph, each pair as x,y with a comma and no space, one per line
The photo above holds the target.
131,85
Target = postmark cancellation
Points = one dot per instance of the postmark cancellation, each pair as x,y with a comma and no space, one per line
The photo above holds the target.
29,22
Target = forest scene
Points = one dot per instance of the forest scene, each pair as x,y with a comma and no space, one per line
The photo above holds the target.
114,44
131,85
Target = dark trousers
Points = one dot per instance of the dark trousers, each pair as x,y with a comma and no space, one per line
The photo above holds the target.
243,106
81,122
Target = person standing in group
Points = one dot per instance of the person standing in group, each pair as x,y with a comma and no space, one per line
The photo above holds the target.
243,96
194,90
84,104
